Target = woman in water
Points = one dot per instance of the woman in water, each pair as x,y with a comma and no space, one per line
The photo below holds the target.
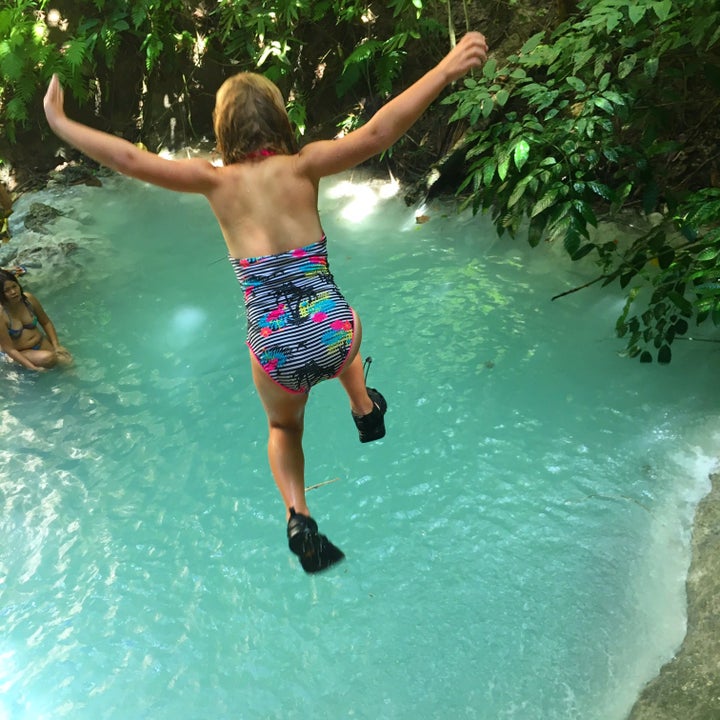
300,328
21,338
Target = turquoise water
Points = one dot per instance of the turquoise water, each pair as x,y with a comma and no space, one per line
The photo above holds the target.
516,546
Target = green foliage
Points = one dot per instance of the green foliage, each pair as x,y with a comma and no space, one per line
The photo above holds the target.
684,277
22,48
36,41
584,123
274,37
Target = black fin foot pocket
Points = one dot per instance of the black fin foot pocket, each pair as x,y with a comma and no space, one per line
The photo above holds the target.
372,426
315,551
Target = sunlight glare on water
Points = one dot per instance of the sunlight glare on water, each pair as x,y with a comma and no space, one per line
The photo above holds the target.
516,546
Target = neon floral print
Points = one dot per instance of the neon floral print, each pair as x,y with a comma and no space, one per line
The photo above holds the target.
300,327
318,308
271,360
274,320
339,335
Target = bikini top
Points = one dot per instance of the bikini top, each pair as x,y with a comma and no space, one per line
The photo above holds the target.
17,332
264,152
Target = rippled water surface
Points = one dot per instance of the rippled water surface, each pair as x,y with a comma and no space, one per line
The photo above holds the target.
516,546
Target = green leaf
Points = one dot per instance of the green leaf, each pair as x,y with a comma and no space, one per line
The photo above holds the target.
546,201
503,164
614,97
651,67
487,106
359,54
603,104
534,235
664,355
12,67
613,19
489,172
636,13
489,68
521,153
715,37
680,302
518,191
626,66
75,52
576,83
582,57
662,9
532,43
650,196
600,189
17,110
708,254
582,251
586,212
502,97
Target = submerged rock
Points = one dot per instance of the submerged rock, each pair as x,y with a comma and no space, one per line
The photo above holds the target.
39,215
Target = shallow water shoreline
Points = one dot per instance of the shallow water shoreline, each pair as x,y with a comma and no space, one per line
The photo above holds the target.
688,686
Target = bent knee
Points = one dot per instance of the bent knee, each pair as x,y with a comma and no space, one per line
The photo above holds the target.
45,358
287,425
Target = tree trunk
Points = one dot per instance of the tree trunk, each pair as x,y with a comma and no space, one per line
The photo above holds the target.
566,8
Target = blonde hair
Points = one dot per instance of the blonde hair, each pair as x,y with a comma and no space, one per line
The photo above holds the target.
249,116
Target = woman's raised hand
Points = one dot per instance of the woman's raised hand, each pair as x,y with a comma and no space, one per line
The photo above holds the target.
54,100
470,52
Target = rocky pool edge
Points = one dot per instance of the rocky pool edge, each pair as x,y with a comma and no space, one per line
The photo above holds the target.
688,686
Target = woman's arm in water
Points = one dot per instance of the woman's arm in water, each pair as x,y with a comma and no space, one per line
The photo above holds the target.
7,346
46,323
194,175
394,119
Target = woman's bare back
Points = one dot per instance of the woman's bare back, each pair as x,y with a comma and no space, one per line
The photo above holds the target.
265,206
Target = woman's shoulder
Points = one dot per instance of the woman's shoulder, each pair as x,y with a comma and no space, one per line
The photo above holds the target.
32,301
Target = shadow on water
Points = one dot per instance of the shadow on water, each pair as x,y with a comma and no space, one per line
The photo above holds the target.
516,546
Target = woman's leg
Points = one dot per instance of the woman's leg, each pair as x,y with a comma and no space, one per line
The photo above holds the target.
42,358
352,379
285,413
352,376
367,405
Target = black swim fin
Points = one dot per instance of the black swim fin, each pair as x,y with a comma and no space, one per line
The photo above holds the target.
372,426
315,551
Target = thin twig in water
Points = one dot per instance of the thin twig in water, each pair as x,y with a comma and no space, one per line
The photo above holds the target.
320,484
581,287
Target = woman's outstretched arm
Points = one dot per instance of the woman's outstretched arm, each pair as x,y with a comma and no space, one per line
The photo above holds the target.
193,175
395,118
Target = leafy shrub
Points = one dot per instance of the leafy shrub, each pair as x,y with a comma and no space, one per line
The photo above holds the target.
583,124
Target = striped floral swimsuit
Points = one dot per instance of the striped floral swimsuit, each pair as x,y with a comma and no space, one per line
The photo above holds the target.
300,327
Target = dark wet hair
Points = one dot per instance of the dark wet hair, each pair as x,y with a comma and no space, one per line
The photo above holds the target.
249,116
5,276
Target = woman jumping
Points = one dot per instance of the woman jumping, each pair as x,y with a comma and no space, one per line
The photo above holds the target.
301,330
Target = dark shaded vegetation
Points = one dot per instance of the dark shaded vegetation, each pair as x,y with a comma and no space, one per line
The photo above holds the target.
589,111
